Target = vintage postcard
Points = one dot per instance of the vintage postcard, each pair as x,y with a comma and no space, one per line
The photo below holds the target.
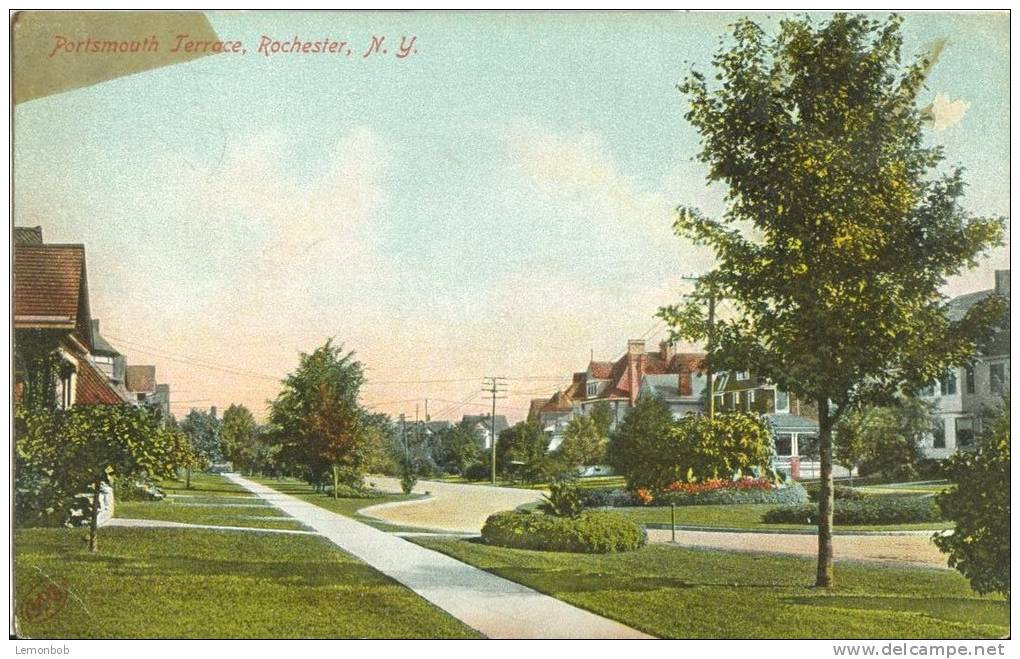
512,325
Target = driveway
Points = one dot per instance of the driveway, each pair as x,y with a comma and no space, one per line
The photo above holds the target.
454,507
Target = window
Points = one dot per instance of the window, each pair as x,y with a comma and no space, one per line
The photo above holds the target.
67,384
964,432
784,444
593,389
807,446
782,401
743,375
938,432
720,382
929,390
970,380
948,384
997,378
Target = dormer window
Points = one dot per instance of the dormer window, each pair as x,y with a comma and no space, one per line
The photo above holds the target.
593,389
782,402
743,375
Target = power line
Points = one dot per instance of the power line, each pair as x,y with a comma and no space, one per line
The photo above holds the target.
186,359
494,385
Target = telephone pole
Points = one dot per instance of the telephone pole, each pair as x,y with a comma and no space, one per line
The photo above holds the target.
497,387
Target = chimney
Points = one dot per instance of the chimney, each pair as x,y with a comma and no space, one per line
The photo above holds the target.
636,347
635,367
683,384
667,351
1002,283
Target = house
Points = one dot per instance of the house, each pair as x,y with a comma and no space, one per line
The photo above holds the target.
552,414
141,383
52,317
618,383
794,422
684,392
483,422
963,393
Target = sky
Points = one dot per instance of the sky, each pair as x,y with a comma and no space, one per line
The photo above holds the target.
497,203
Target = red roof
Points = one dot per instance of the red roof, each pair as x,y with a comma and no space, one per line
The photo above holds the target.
93,388
601,370
51,289
140,378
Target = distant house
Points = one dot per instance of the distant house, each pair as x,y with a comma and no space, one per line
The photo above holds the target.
618,383
794,422
141,383
962,393
684,392
52,316
483,422
552,415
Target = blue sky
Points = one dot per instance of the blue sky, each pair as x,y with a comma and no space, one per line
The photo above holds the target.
498,203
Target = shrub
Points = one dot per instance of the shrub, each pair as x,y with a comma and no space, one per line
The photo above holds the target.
869,511
590,533
789,494
606,498
565,499
137,491
838,492
477,472
979,505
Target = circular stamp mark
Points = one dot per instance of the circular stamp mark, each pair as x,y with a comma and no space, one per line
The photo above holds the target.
45,599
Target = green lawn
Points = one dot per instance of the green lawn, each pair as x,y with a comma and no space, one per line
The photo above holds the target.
674,592
348,507
586,483
211,500
195,583
746,516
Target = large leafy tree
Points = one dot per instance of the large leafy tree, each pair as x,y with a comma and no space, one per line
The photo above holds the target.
840,230
979,505
239,437
318,419
203,430
884,439
584,441
521,451
460,447
636,445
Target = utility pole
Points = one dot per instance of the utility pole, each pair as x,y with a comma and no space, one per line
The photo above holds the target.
403,437
494,385
710,331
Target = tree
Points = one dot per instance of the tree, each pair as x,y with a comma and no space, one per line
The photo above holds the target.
884,439
602,415
839,232
105,441
522,452
637,441
979,504
239,437
203,429
584,441
317,417
460,447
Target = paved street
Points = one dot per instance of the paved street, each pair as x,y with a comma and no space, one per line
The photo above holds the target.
455,507
494,606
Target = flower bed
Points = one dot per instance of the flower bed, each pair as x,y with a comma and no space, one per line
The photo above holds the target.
591,533
870,511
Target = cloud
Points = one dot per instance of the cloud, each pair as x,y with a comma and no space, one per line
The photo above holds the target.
943,113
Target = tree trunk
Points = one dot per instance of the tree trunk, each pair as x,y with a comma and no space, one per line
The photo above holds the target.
94,522
188,484
336,482
825,498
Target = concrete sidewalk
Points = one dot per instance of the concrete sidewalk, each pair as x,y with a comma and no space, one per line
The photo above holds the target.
494,606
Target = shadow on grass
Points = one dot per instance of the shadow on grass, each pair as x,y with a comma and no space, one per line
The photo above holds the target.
958,609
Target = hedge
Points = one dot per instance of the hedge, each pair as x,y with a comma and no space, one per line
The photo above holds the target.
790,494
870,511
838,492
592,533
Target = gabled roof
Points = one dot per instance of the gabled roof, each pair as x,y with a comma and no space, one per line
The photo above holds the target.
601,370
28,236
791,423
51,289
140,379
100,346
475,419
93,388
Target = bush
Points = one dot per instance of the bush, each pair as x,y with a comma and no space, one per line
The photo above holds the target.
137,491
838,492
979,505
590,533
869,511
345,491
565,499
606,498
477,472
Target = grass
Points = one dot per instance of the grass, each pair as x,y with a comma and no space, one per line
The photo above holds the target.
347,507
674,592
747,516
211,500
196,583
586,483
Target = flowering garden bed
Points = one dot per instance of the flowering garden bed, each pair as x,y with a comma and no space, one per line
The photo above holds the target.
712,492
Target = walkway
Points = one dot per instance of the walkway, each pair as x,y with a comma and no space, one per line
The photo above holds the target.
494,606
455,507
915,549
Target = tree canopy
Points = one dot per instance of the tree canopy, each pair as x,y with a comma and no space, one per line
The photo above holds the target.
840,228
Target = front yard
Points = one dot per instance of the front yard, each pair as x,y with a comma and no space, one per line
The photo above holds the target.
199,583
673,592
